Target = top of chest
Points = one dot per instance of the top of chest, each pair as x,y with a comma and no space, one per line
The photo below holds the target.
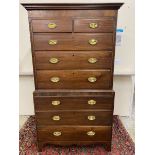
46,10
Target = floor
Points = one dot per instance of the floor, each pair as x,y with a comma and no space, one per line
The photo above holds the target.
22,120
129,123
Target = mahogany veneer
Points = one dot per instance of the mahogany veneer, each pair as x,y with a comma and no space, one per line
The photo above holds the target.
73,48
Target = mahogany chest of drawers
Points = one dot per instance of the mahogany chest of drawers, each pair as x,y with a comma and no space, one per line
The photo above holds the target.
73,48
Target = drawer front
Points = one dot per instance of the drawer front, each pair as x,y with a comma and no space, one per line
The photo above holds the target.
53,41
94,25
84,13
93,41
61,25
63,133
74,79
80,41
70,103
73,60
74,118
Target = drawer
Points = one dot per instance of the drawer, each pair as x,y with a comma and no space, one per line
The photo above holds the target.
105,102
46,41
80,41
93,41
105,24
61,25
74,79
74,133
83,117
73,60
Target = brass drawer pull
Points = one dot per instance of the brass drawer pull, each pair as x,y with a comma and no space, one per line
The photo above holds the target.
92,60
90,133
93,25
91,118
93,41
52,25
55,103
55,79
53,60
56,118
91,102
92,79
57,133
52,42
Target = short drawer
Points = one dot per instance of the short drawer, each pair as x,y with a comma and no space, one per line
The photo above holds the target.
73,60
93,41
74,79
105,24
83,117
80,41
46,41
62,25
104,102
74,133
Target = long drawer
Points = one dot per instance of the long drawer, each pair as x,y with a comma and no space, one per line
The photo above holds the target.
68,41
83,117
74,79
73,60
45,103
72,133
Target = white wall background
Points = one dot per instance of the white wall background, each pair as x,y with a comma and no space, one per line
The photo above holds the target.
124,66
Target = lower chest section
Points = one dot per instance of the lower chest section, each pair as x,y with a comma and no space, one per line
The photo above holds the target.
74,115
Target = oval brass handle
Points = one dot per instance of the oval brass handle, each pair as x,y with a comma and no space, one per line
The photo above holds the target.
91,102
53,60
93,41
52,25
55,79
93,25
55,103
90,133
57,133
92,79
56,118
91,118
52,42
92,60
